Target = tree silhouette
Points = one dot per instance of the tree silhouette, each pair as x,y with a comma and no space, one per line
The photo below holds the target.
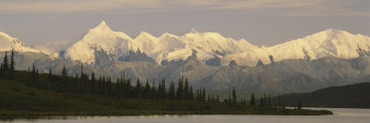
252,100
171,92
6,62
234,97
12,65
146,90
64,71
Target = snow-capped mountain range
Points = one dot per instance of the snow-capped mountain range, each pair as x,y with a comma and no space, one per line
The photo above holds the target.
327,58
212,45
207,47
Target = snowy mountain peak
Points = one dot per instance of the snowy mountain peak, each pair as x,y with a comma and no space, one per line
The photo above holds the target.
102,39
9,43
193,30
168,35
330,33
144,34
102,26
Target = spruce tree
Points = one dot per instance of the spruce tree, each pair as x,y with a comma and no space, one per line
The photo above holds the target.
269,101
204,94
279,102
264,99
50,75
229,100
33,74
252,101
161,92
186,89
299,106
64,71
6,62
261,101
191,95
180,90
1,71
12,62
234,97
153,90
197,98
12,65
146,91
93,82
171,92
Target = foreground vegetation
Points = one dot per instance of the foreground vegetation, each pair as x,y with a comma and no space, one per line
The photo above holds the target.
19,101
27,94
348,96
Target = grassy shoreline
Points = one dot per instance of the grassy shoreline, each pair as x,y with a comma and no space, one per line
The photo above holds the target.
4,115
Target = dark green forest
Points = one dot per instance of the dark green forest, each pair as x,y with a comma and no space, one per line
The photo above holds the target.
348,96
30,93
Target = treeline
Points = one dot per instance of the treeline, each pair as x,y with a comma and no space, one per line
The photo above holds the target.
123,87
90,84
268,101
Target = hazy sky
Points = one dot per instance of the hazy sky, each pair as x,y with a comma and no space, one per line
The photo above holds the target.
261,22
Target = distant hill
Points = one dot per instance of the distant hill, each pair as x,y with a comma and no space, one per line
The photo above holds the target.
348,96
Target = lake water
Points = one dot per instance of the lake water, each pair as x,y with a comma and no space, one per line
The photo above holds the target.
341,115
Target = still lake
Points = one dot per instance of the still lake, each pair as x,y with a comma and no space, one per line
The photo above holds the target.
341,115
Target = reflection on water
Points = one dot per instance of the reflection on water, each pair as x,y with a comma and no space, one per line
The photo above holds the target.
341,115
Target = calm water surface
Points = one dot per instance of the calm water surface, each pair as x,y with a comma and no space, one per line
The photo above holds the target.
341,115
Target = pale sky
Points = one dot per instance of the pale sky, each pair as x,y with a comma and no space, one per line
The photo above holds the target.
261,22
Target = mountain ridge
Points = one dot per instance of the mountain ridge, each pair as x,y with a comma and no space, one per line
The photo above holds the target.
211,45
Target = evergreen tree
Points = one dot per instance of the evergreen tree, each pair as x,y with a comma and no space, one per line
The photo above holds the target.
299,106
209,98
109,86
50,75
252,101
204,94
64,71
1,71
279,102
93,82
269,101
197,98
146,91
12,62
261,101
264,100
33,75
6,62
82,70
153,90
162,90
191,95
234,97
218,99
229,100
171,92
12,66
180,89
186,90
138,87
